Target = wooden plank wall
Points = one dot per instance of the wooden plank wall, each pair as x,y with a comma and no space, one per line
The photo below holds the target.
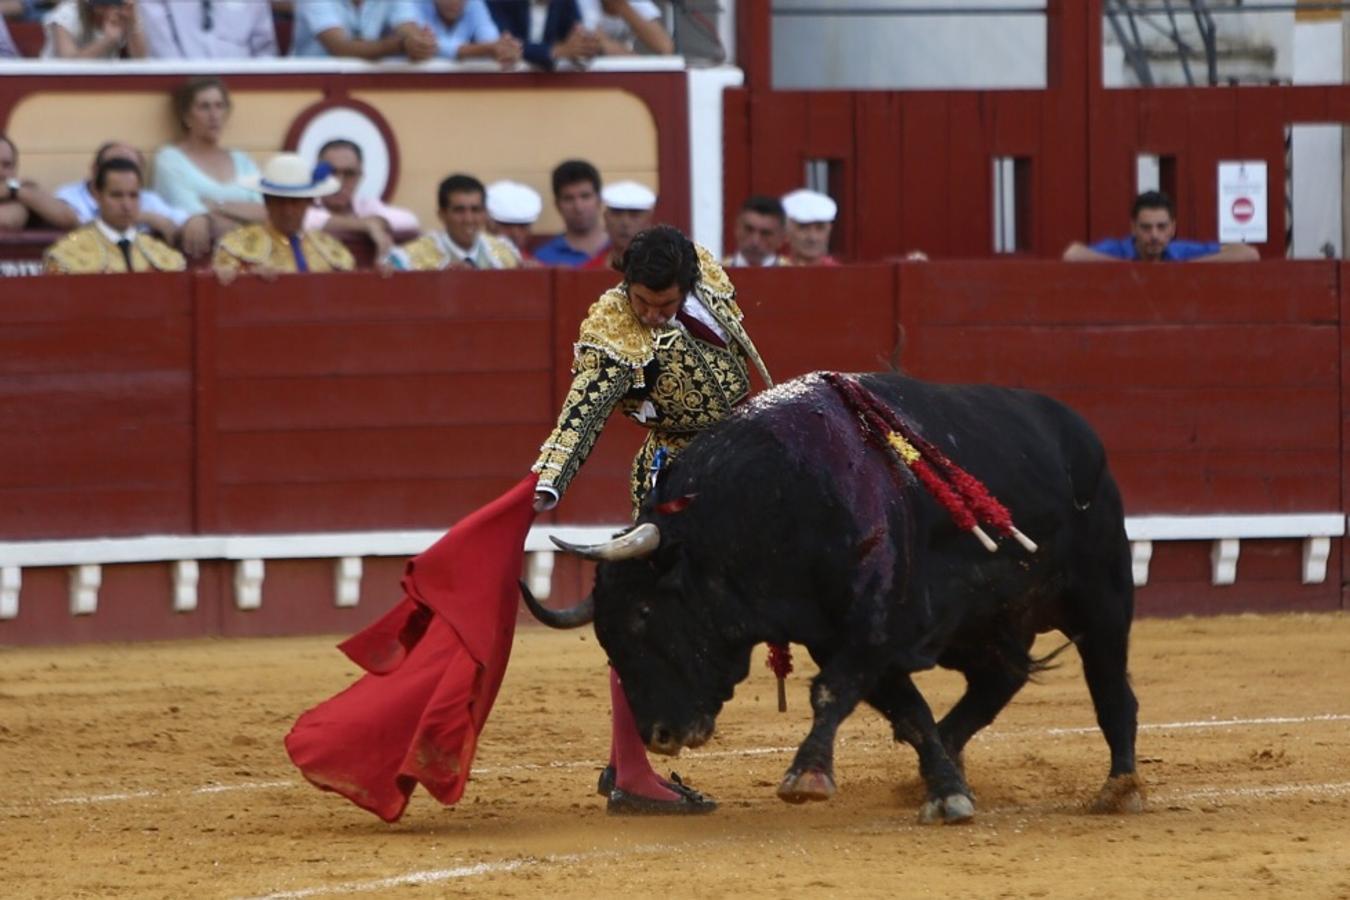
155,404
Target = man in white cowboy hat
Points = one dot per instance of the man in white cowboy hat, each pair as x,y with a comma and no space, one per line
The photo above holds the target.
512,209
628,210
281,244
464,242
810,218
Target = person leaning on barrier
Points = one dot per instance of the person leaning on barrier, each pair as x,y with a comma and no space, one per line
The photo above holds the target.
463,241
464,31
576,194
173,225
625,27
281,244
113,241
1153,229
23,204
346,211
93,29
209,29
363,30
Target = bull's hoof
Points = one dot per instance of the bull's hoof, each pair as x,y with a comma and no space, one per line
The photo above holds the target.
812,784
954,809
1121,794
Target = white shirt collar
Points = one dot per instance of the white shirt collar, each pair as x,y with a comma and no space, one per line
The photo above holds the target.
115,236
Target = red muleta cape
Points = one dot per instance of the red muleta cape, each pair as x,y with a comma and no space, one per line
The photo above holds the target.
434,664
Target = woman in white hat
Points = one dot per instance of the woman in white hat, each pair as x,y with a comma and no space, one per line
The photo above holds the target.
288,185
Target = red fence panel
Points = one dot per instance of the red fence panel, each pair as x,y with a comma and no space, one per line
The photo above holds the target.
360,401
1212,389
95,394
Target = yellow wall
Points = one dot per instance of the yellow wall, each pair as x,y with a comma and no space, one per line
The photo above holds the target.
519,134
492,134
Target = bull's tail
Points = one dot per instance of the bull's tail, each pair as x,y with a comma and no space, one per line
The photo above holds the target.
1038,664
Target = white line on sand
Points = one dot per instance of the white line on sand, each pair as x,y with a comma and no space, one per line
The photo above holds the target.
991,734
435,876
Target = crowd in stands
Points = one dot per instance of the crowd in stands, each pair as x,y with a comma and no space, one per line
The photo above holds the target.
200,203
538,33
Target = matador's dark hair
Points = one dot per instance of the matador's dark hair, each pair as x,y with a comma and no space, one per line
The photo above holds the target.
116,164
660,257
458,183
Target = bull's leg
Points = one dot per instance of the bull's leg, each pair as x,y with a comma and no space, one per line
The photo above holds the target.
988,690
1105,653
835,693
949,798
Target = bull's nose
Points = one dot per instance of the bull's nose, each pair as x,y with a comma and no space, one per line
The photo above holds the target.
663,740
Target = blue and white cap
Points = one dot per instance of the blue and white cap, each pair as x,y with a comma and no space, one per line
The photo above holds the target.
288,175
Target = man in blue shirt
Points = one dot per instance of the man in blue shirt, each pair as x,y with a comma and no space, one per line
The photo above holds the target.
576,193
364,29
464,30
1153,228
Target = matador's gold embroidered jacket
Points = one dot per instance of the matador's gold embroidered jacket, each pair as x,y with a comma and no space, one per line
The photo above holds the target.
667,380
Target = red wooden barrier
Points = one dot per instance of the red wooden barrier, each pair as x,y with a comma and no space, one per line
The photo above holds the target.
169,404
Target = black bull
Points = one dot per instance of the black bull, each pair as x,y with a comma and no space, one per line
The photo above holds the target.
785,523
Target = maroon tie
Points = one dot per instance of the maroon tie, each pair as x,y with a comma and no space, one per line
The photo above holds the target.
699,330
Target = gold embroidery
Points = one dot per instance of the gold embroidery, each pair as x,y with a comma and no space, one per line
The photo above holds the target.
87,251
258,245
424,254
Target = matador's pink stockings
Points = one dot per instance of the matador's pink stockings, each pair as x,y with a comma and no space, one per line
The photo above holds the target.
627,754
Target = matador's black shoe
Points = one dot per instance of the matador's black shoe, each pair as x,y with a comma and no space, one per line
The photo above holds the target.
606,782
687,802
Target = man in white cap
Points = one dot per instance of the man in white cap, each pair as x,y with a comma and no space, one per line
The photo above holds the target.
463,242
810,218
289,186
512,209
628,210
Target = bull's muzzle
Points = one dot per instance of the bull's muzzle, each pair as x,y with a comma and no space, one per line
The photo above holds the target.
632,544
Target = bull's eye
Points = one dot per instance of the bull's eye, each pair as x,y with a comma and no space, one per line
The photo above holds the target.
640,616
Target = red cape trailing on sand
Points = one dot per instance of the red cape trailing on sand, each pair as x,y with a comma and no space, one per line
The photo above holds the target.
434,664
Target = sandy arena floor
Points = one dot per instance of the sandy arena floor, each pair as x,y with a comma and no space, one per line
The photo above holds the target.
157,771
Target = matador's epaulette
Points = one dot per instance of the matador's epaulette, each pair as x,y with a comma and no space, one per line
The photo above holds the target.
250,244
159,254
332,250
424,254
79,252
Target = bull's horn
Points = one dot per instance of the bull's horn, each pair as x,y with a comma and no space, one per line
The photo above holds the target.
574,617
640,541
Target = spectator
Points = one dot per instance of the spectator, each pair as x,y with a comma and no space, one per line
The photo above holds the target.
628,210
810,218
576,194
551,30
289,186
7,48
364,29
464,30
512,209
173,225
1153,227
346,212
625,27
198,175
23,203
93,29
113,242
760,229
208,29
464,242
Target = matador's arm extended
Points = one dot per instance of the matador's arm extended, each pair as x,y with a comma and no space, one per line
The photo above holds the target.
598,384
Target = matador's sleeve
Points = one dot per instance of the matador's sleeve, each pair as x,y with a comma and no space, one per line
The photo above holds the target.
598,383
